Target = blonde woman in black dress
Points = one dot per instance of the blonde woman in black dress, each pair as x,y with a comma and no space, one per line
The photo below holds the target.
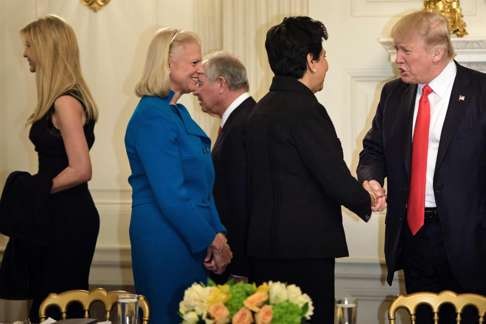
62,132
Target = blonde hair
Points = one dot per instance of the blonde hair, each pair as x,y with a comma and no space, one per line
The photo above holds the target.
432,27
155,80
57,66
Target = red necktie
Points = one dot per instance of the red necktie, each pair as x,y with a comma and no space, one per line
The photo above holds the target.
416,196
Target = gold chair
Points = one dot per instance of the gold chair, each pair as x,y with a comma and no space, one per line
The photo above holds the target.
86,298
460,301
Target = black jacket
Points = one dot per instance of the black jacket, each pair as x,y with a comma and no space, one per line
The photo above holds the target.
230,187
460,172
23,201
298,177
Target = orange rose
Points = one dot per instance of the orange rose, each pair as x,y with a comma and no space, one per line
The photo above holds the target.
243,316
219,313
255,301
264,316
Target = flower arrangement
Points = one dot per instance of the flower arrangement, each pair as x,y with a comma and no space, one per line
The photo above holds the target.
245,303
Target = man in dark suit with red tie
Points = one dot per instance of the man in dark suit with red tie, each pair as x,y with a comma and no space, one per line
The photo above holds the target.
223,91
428,139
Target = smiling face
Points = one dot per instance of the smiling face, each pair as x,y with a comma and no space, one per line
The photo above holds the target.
185,66
414,60
29,55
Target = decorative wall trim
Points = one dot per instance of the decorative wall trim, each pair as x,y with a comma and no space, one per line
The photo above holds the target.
111,265
390,8
363,94
111,196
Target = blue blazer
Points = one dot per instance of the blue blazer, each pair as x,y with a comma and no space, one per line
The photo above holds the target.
171,166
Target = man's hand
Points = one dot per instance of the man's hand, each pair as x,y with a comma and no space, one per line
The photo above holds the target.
377,193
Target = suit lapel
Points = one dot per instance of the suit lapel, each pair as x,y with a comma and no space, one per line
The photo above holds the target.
232,119
189,125
405,126
455,112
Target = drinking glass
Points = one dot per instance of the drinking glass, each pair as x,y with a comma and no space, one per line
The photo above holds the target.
127,309
346,310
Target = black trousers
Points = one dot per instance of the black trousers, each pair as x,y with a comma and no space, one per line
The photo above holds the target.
315,277
426,268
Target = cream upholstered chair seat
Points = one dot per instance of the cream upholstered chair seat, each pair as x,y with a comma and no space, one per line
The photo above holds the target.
459,301
86,298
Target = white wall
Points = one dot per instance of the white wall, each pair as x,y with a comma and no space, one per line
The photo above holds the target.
113,44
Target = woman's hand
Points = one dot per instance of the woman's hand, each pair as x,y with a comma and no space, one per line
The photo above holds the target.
218,255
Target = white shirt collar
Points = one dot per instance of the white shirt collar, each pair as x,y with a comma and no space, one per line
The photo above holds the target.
233,106
441,84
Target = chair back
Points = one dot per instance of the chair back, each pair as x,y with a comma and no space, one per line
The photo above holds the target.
459,301
86,298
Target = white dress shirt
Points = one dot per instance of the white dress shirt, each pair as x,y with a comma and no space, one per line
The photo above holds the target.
233,106
439,101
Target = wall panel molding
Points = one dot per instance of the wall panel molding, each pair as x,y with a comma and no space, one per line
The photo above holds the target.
364,86
386,8
111,196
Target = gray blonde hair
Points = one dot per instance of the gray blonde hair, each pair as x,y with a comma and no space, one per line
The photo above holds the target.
227,66
58,70
155,80
430,26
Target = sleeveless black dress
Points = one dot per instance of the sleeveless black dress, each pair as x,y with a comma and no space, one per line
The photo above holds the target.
73,220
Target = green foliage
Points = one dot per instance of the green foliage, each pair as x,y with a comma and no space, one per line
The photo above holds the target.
238,293
286,313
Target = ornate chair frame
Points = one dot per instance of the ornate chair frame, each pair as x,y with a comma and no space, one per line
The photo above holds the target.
460,301
86,298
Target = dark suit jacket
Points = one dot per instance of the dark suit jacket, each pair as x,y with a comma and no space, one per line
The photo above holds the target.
298,178
460,171
230,187
24,220
23,200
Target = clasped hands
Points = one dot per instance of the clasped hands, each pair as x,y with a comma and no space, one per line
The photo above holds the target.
218,255
377,195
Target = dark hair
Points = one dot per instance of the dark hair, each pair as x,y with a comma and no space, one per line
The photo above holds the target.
289,42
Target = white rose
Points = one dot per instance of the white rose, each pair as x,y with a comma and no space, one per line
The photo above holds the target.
195,299
294,294
190,318
310,309
277,292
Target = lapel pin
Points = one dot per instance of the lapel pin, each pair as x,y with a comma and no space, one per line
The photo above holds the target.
462,98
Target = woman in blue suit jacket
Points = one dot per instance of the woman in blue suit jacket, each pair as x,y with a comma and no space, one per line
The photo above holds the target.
175,231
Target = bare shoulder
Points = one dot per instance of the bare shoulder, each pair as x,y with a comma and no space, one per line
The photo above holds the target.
68,110
66,104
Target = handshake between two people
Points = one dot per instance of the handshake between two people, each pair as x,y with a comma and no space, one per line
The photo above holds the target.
377,195
218,255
